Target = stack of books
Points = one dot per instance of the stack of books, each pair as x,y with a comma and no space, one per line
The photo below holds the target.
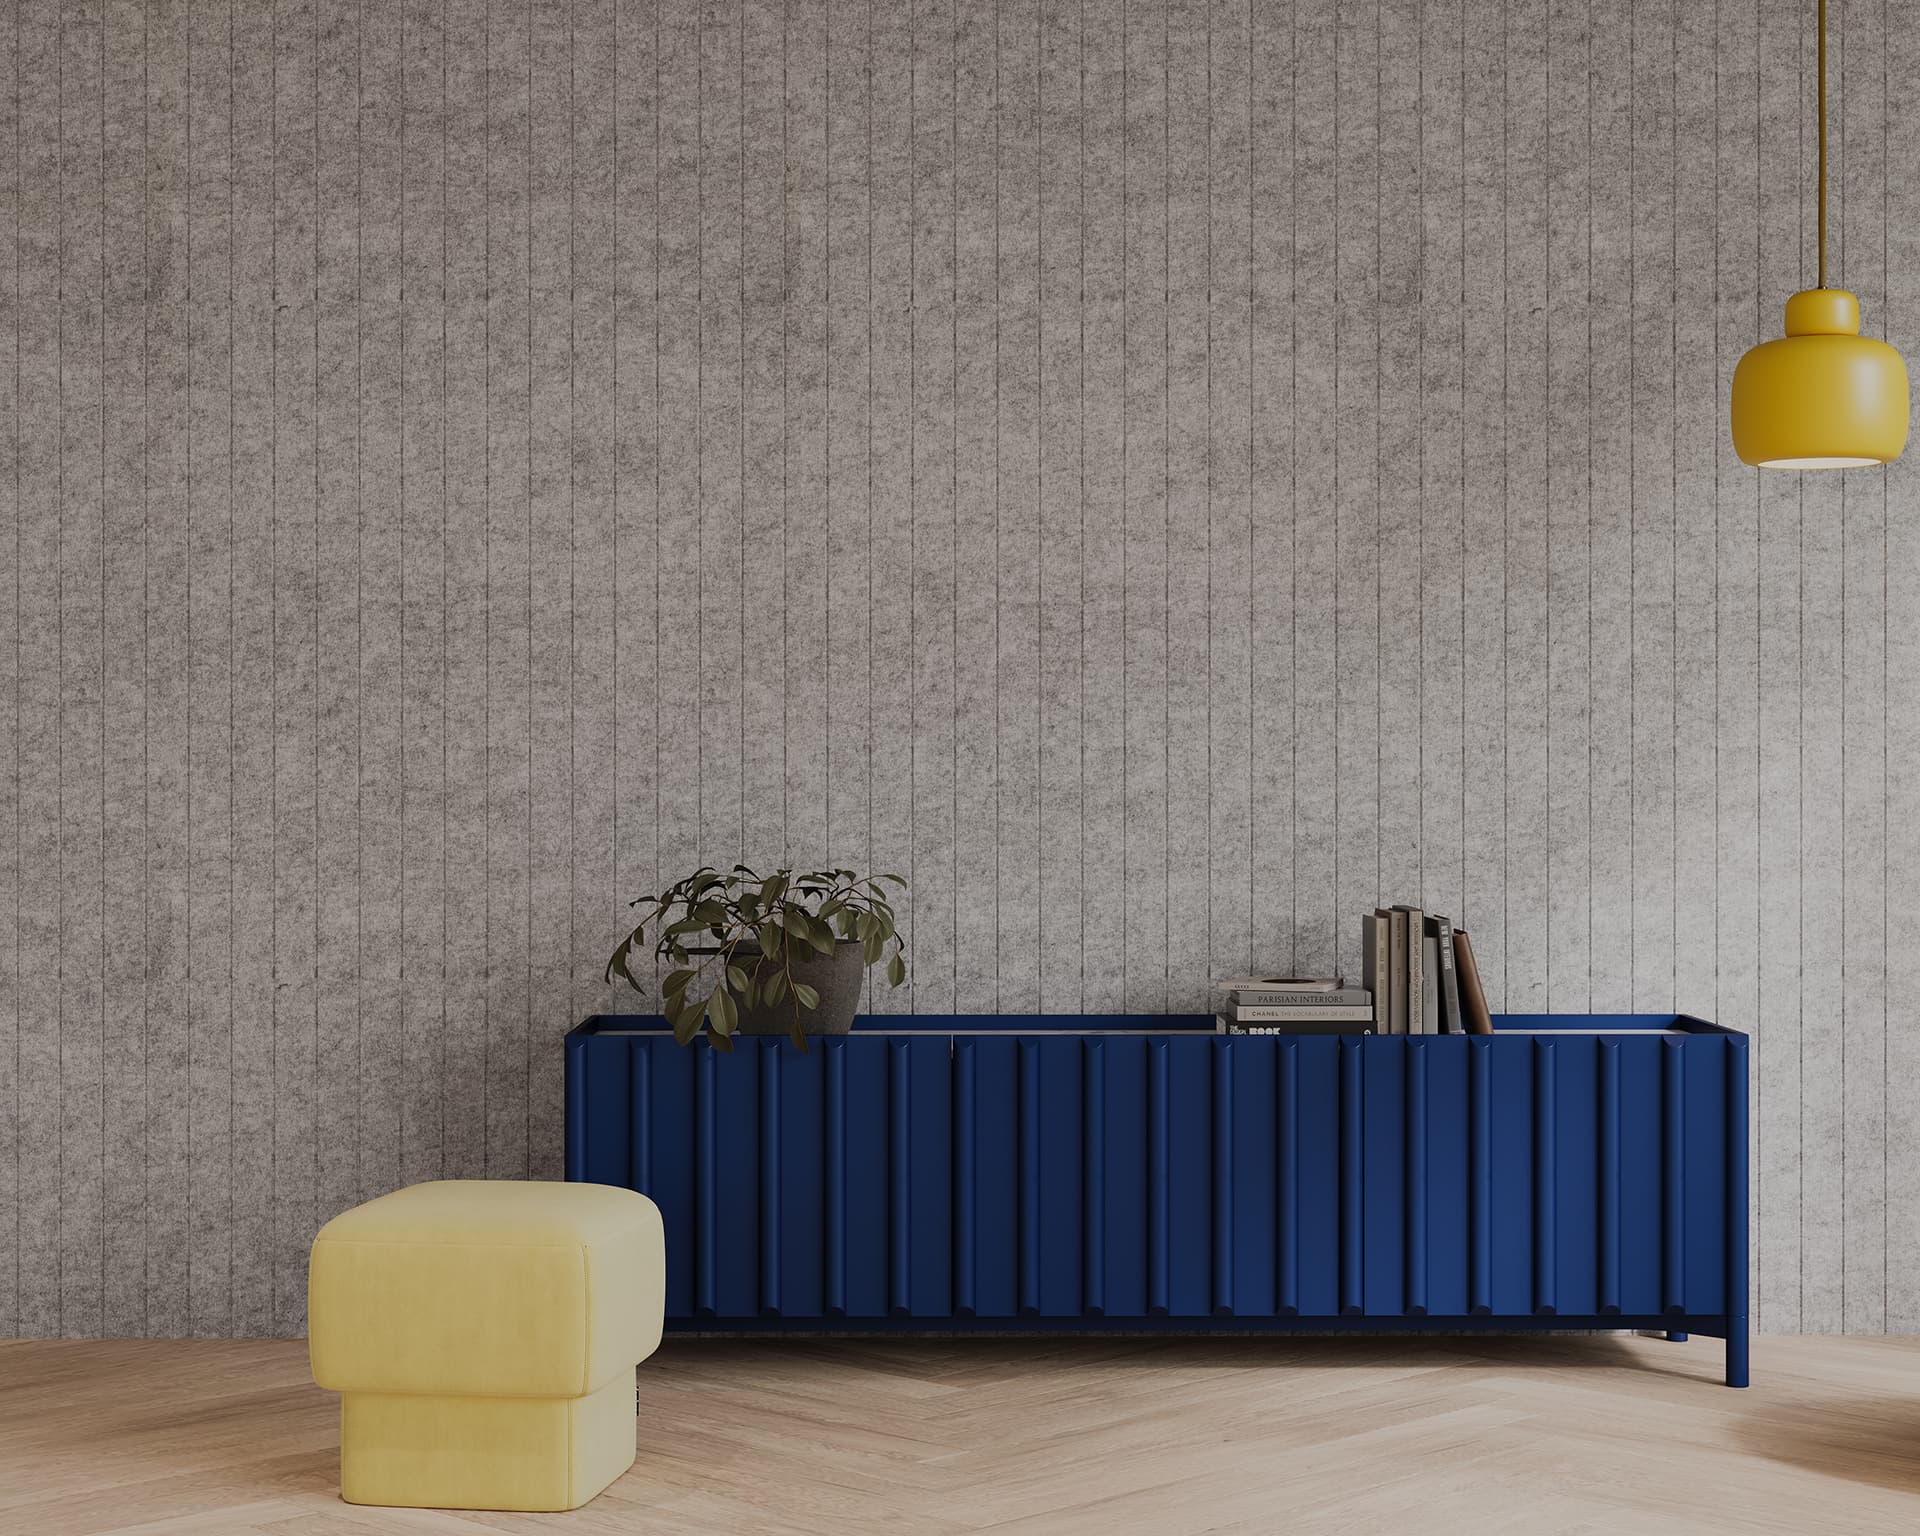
1421,973
1296,1005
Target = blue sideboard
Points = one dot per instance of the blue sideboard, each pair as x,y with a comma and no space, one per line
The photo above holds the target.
948,1173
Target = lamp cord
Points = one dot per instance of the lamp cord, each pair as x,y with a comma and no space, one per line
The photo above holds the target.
1823,143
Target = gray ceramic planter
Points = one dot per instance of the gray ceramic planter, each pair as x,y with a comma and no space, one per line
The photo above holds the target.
837,977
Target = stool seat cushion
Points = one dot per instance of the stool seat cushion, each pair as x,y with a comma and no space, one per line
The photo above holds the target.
487,1288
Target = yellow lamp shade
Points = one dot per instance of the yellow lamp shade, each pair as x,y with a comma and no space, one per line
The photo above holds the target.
1823,396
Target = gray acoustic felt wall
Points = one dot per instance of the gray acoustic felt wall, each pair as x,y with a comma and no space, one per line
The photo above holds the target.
1164,477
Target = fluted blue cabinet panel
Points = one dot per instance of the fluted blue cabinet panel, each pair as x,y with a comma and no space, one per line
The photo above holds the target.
1123,1163
1567,1172
801,1203
1246,1192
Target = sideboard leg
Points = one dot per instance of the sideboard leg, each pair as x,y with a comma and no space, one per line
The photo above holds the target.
1736,1351
1675,1338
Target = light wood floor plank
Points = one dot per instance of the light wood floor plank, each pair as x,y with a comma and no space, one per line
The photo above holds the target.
1481,1436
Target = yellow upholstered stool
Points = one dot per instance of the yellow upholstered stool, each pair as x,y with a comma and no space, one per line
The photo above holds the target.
483,1336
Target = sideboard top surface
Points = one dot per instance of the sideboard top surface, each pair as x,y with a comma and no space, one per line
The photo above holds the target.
1169,1024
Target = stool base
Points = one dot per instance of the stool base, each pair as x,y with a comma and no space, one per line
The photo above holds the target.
506,1453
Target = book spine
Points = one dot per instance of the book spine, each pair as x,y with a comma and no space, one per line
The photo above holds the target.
1429,987
1416,922
1378,951
1268,1015
1451,1020
1397,972
1346,997
1473,998
1335,1027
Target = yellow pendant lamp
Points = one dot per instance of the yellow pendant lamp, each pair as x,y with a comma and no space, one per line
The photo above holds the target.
1823,396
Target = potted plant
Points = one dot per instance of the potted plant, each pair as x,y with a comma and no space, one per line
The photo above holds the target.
771,954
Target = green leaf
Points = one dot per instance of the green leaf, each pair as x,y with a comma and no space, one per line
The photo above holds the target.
736,978
806,996
771,937
677,982
873,949
776,987
799,1038
722,1043
896,969
721,1008
685,1027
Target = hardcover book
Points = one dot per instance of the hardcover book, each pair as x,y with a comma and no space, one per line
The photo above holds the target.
1451,1022
1276,997
1429,987
1416,968
1473,999
1331,1027
1376,949
1253,1013
1282,983
1396,987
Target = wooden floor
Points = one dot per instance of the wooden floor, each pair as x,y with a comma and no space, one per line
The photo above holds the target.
1495,1437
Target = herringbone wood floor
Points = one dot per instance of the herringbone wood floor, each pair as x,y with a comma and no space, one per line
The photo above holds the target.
1483,1436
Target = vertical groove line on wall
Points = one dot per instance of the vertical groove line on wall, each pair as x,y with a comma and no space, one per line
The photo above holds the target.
1800,711
1039,494
997,492
700,400
1839,232
446,798
1253,416
1082,508
744,852
105,1129
1588,557
60,650
1166,492
313,631
146,774
1506,498
1460,341
187,456
953,522
1126,504
486,622
1886,298
909,899
359,596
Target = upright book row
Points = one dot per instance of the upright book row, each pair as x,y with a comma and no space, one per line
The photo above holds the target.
1420,971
